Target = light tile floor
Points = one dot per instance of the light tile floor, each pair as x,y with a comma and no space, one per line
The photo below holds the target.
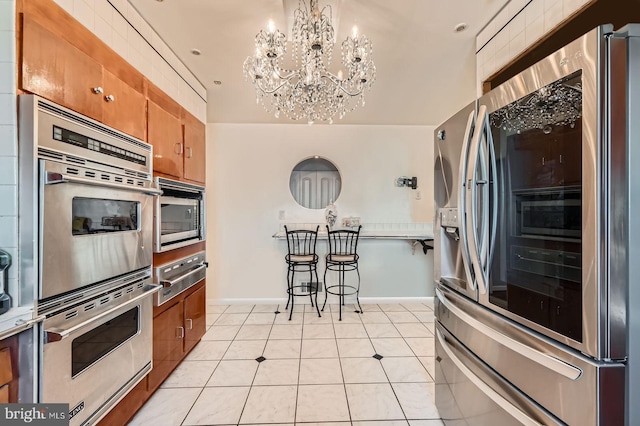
316,370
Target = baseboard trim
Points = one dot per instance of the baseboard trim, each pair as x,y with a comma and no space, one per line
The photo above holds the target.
305,300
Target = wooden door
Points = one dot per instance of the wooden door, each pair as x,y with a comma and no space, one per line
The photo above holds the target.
195,149
165,134
55,70
168,334
124,107
194,317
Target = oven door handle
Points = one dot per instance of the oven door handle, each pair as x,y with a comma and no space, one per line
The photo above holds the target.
55,178
169,283
56,334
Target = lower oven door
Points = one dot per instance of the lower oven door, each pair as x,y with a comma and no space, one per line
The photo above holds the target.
91,363
108,223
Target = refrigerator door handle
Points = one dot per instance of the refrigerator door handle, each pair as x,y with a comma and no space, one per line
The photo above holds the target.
501,401
493,185
462,210
472,183
567,370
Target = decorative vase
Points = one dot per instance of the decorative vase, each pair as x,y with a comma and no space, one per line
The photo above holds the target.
331,214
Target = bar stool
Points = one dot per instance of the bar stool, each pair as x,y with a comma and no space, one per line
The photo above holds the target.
301,257
342,257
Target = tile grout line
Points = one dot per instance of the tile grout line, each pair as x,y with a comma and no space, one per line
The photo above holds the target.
344,385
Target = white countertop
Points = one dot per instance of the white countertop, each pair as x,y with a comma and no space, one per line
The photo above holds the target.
15,320
390,231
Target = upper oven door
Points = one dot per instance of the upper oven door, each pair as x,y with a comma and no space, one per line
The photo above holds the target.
90,232
540,192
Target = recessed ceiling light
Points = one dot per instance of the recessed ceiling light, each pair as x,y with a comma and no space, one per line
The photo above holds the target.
460,27
196,52
217,82
159,1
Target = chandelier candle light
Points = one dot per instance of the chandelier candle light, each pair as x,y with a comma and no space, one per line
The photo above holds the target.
311,91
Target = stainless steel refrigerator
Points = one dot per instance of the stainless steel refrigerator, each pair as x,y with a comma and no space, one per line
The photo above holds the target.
537,243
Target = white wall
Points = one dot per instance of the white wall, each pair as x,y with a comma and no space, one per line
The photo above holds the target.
248,169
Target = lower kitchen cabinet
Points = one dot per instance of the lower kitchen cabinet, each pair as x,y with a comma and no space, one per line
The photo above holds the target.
168,336
194,318
178,326
9,370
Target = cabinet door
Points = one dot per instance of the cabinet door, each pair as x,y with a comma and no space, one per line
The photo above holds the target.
168,334
195,149
194,318
165,134
9,370
124,107
55,70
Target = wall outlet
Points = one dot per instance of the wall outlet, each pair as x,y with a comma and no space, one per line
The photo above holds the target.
282,215
418,195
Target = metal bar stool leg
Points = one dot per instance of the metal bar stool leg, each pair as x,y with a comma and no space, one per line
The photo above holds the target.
358,292
310,282
316,292
341,291
288,286
326,293
291,296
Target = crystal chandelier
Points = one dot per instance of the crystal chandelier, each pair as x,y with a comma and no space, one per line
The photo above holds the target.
558,104
310,91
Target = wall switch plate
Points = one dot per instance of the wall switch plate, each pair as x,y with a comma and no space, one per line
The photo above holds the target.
282,215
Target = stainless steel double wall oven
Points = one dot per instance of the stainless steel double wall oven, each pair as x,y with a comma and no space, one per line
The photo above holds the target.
536,283
86,207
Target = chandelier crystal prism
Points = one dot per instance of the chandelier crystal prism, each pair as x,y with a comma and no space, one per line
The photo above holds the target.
310,91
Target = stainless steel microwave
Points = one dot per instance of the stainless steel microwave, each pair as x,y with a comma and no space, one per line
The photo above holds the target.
179,215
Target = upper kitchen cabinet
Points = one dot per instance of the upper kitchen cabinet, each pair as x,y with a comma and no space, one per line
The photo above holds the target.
178,138
125,107
165,134
55,69
195,149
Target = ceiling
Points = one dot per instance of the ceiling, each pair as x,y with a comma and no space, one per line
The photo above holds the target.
425,70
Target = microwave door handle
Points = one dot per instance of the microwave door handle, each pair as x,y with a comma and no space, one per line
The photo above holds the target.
464,158
471,219
169,283
52,178
57,334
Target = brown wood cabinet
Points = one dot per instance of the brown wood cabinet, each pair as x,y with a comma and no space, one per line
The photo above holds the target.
178,143
58,71
194,318
9,370
165,134
177,329
168,336
125,108
195,149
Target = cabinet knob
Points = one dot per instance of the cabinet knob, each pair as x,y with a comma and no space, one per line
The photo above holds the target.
181,332
179,146
189,324
98,90
110,98
190,154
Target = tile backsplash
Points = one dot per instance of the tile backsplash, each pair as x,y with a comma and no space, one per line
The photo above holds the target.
120,26
8,143
517,26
